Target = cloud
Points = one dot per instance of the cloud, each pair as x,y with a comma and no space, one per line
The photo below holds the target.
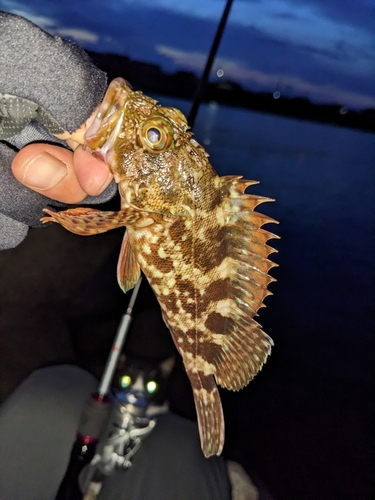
310,45
192,60
43,21
78,34
308,24
360,13
235,70
303,24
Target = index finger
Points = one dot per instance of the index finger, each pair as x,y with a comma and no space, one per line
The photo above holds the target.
93,175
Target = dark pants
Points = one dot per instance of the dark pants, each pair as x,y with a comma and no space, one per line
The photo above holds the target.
38,424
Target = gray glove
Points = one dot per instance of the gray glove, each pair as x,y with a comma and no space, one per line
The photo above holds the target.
47,85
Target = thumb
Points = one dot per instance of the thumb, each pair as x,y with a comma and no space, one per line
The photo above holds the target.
61,174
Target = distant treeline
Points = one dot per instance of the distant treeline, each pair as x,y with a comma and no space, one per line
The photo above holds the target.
150,78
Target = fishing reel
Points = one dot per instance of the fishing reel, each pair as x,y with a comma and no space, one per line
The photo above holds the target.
128,425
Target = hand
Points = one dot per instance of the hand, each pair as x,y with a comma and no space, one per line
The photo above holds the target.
46,100
61,174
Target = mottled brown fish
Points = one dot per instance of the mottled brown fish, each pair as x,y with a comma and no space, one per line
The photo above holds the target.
195,236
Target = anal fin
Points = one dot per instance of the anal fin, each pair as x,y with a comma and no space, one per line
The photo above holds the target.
128,269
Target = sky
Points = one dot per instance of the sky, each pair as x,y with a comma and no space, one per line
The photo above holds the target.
319,49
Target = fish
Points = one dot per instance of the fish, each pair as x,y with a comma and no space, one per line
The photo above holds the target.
196,237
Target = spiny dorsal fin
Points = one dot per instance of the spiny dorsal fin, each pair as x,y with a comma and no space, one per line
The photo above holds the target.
241,347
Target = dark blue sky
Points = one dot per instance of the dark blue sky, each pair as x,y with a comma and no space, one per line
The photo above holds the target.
321,49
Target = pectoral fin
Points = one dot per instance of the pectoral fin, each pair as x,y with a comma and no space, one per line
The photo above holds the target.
128,269
89,221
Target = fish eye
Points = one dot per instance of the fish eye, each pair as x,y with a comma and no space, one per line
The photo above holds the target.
125,381
156,135
153,135
151,386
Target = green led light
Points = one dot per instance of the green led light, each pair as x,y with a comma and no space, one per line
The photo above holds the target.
125,381
151,386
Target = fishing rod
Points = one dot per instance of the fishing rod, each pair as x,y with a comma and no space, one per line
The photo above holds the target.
118,344
210,60
95,414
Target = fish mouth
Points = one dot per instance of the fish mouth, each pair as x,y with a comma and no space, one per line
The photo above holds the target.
103,131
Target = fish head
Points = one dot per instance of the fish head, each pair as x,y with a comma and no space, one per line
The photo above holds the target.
149,150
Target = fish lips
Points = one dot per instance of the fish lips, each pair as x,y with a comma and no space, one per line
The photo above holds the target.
104,130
